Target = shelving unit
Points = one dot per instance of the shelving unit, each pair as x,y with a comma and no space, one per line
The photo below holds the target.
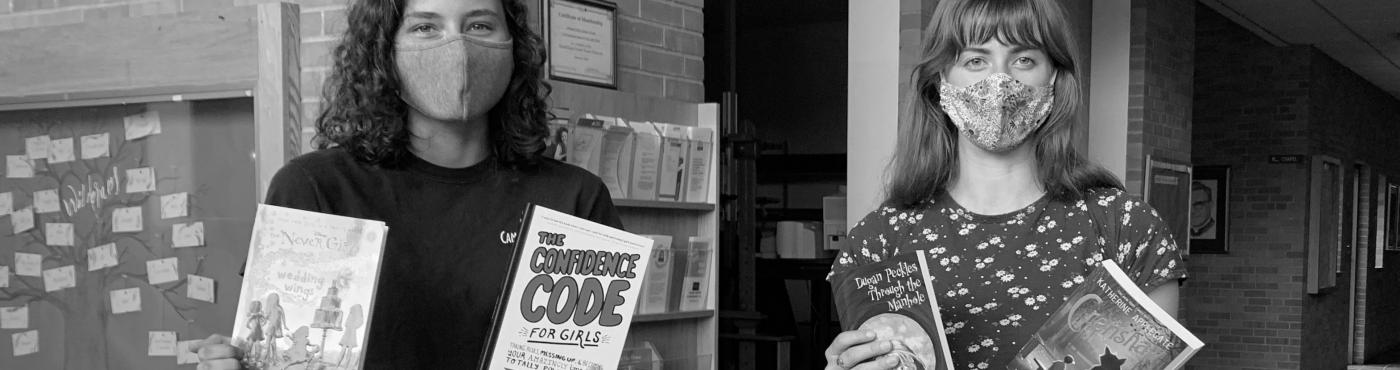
686,340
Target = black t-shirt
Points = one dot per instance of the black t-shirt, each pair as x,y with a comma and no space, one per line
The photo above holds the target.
449,245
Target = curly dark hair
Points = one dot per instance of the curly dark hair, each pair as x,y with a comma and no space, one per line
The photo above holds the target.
363,113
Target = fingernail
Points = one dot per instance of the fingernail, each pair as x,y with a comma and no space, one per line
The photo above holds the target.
869,334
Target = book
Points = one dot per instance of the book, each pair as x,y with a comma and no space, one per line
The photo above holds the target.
615,166
675,149
895,299
569,298
586,143
656,286
695,286
701,150
308,289
1110,323
646,161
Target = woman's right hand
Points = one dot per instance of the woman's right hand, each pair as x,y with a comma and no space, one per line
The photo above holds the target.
216,353
858,350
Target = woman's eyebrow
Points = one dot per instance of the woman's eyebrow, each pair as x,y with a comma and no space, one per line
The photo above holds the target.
422,14
481,12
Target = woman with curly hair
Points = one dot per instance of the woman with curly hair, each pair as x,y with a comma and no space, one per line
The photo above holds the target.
434,122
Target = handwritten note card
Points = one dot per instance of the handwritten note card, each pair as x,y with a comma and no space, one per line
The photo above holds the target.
183,355
22,220
18,167
61,150
59,279
126,300
46,201
142,125
7,203
162,343
58,234
25,343
4,276
163,270
28,264
127,220
140,180
96,146
37,147
201,288
174,205
187,235
102,256
14,317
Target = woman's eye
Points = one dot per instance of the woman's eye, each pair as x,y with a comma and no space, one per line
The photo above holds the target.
1025,61
974,63
423,28
480,28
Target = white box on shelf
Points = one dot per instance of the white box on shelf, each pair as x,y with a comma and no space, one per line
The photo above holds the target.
834,220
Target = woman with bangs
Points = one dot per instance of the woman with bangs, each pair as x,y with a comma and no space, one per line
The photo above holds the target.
435,123
985,178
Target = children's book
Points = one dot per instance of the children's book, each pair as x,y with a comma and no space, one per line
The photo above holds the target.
308,290
1108,323
570,296
895,299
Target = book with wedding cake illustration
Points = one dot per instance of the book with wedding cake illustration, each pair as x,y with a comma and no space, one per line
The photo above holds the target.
1108,323
895,299
570,296
308,290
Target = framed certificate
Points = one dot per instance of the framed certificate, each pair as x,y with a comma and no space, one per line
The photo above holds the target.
582,41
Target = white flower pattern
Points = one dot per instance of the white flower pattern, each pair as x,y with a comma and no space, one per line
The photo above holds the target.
1020,266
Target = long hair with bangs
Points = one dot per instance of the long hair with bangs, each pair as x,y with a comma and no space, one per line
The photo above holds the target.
362,111
926,155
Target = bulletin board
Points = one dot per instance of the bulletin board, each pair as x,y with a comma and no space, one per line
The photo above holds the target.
134,152
152,206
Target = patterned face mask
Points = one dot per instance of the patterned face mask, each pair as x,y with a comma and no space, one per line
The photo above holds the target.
997,113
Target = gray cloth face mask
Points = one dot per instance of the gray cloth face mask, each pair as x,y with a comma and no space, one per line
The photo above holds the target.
997,113
454,78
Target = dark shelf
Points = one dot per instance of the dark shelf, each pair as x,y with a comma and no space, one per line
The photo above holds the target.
791,168
661,204
672,316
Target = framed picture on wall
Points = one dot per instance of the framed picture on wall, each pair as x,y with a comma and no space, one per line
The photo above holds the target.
582,41
1210,209
1167,187
1324,222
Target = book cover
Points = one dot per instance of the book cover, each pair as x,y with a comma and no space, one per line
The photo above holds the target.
570,296
1108,323
698,185
586,143
695,286
895,299
656,286
308,289
671,175
615,166
646,161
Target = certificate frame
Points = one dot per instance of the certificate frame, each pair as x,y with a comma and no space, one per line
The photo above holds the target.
588,59
1170,197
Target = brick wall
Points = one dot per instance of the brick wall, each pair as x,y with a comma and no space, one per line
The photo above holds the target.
660,42
1250,101
1159,89
1253,100
1354,120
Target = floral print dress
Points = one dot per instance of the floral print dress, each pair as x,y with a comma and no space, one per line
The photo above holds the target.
998,277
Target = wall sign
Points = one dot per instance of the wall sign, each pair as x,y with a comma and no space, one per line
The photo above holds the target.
581,36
